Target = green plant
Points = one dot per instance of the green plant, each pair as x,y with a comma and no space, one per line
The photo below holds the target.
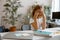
26,19
11,8
47,11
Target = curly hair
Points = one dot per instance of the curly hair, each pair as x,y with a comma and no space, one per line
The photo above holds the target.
36,8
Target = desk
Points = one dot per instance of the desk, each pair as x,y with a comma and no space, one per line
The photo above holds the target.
53,24
37,37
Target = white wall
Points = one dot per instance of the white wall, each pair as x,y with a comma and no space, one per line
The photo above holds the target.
25,4
59,4
1,8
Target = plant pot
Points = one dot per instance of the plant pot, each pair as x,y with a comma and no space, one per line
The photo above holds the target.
12,28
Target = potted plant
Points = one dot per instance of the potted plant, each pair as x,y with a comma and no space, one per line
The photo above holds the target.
11,15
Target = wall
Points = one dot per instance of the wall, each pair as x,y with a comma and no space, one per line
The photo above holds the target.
59,4
26,4
1,9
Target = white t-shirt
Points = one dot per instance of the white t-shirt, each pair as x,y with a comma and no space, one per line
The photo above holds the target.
39,21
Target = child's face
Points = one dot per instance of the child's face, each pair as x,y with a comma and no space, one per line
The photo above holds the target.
38,12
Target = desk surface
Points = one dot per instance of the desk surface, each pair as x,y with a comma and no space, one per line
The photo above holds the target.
37,37
54,23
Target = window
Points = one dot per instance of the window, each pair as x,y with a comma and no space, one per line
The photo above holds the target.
55,5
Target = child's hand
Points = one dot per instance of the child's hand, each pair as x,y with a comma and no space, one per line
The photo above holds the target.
36,15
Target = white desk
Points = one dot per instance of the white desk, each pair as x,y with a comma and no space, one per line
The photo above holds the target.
37,37
54,24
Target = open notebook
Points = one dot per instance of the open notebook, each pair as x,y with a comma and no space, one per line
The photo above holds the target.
43,33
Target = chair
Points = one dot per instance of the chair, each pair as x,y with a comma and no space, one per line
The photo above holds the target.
26,27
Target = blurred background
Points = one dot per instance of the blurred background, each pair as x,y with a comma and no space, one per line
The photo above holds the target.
25,10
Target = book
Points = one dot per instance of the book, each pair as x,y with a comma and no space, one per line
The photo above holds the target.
42,33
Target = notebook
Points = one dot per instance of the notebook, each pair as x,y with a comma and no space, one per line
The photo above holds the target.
42,33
